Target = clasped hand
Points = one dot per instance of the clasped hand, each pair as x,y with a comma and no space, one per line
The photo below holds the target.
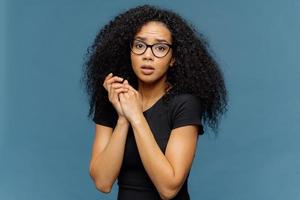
125,99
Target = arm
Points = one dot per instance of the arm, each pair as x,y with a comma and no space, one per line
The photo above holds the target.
107,154
168,172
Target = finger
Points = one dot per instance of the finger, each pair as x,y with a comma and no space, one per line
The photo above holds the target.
121,96
115,92
131,92
111,80
117,85
126,84
108,76
126,94
119,90
114,79
110,92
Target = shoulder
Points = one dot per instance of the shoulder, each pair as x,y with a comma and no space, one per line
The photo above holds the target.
185,99
105,114
186,110
185,105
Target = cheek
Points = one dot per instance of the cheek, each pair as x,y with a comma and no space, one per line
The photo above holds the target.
134,58
164,63
135,63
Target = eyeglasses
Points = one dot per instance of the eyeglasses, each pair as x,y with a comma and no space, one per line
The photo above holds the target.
159,50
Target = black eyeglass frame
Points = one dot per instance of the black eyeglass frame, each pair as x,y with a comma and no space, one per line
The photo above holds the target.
148,45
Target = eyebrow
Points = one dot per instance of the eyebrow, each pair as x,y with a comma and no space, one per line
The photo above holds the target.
158,40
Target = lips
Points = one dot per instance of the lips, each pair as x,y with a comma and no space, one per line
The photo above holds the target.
147,67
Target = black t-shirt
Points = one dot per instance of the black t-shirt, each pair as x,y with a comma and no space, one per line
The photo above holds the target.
133,180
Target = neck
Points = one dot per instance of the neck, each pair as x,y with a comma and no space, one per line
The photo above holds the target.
154,91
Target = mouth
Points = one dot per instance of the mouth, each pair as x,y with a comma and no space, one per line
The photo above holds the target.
147,69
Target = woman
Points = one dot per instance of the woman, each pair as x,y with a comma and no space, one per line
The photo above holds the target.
152,86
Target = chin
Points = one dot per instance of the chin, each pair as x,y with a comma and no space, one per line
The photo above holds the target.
149,79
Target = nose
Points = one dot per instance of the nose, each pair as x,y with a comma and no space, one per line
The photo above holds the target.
148,54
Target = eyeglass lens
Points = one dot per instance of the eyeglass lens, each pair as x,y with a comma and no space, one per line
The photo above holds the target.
158,49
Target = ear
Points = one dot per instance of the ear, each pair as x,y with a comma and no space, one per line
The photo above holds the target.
172,62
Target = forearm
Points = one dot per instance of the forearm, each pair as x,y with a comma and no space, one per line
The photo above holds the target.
107,164
155,162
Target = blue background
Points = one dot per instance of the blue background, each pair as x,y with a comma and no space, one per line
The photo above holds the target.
46,137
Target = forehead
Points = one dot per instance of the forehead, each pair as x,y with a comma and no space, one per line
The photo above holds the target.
154,32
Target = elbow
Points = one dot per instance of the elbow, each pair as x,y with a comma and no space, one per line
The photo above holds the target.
100,185
103,188
170,190
168,193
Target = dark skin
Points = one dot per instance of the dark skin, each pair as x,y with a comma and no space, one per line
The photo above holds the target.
151,87
167,171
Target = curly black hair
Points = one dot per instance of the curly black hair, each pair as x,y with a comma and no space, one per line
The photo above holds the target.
195,71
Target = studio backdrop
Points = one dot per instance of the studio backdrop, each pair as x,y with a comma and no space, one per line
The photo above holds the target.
46,136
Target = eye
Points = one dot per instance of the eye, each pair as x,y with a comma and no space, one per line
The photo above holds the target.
139,45
161,47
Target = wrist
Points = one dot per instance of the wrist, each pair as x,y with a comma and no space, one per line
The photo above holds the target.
123,120
137,120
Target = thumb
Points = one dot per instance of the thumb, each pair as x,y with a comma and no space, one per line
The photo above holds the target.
129,86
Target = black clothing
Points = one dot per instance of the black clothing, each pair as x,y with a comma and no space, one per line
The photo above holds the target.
133,180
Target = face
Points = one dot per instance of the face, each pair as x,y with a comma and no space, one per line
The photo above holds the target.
152,33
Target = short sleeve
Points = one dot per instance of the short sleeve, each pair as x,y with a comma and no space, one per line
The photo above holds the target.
106,116
187,111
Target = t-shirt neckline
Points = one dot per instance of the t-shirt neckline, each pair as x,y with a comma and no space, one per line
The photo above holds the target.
154,104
